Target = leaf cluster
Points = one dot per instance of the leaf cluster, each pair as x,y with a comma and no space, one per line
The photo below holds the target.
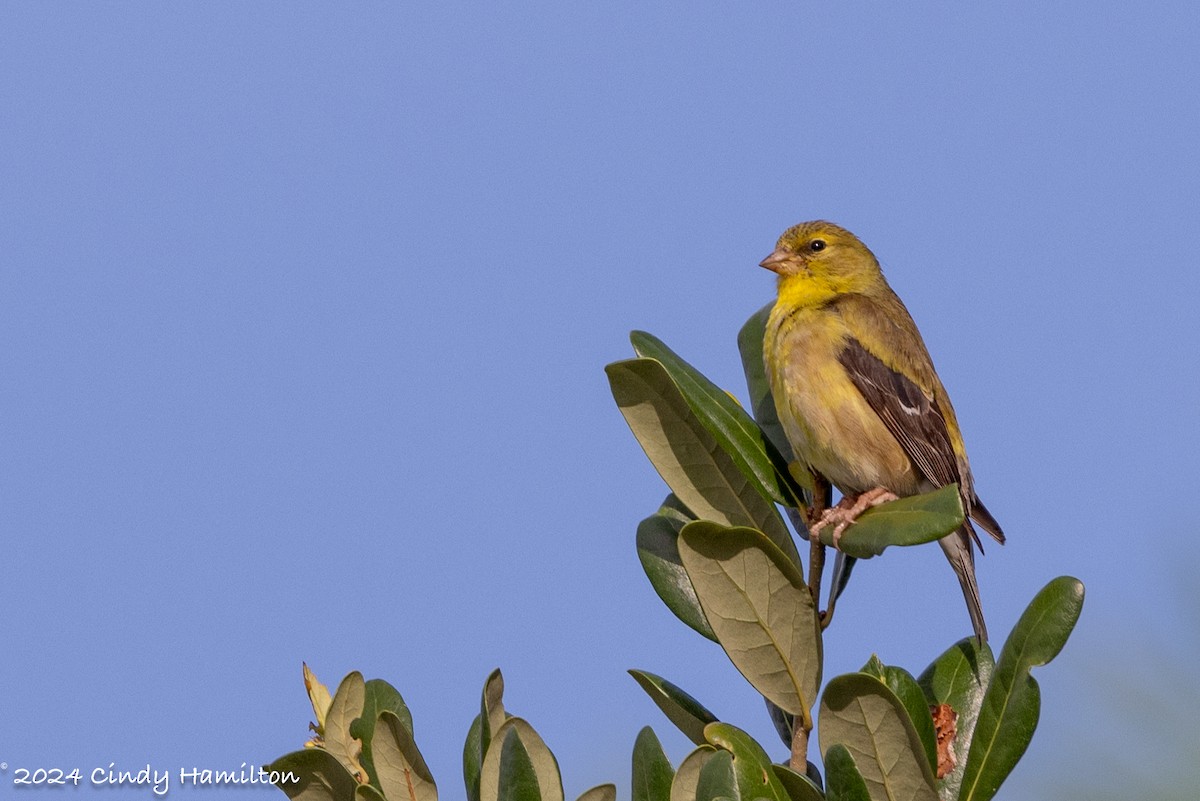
364,751
720,555
877,732
877,736
364,748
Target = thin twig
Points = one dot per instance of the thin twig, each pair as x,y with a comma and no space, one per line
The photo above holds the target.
822,497
816,566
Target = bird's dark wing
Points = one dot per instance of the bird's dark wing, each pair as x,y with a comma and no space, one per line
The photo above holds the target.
912,416
984,518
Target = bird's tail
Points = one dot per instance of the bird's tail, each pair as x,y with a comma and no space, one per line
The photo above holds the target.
957,547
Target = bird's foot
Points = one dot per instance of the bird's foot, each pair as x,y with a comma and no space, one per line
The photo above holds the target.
847,510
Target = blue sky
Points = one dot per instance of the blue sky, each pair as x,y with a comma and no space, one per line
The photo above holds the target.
304,311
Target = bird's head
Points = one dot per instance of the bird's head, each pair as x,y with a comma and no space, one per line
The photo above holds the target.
821,258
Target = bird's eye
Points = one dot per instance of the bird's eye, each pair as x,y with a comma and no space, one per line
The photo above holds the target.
816,245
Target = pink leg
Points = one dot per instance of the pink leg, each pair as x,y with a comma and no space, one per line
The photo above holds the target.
849,508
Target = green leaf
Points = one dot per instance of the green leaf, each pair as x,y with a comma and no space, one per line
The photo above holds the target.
959,677
601,792
913,520
750,345
365,792
473,759
687,456
861,713
490,718
491,708
658,551
901,682
379,696
403,774
320,776
845,782
843,566
797,786
813,774
508,772
751,765
687,778
347,705
1011,705
751,449
912,698
873,667
519,766
784,723
760,609
688,714
652,771
717,779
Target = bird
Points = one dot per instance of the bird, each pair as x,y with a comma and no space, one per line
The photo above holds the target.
857,394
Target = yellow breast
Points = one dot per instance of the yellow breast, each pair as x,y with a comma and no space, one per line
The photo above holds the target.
831,427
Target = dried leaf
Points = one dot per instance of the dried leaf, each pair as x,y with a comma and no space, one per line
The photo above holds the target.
945,725
319,697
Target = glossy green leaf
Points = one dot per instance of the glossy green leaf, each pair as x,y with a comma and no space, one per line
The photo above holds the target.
1012,702
365,792
912,698
844,780
914,520
505,774
687,456
378,697
784,723
873,667
403,774
959,677
751,764
491,708
652,771
751,449
508,772
518,778
347,705
750,345
320,776
717,779
601,792
843,566
760,609
797,786
688,714
381,696
658,551
813,774
490,718
687,777
902,683
861,713
473,759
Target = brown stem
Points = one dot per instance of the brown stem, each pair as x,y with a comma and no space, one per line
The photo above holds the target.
802,724
816,566
822,497
799,758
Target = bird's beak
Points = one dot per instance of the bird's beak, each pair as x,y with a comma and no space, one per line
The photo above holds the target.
776,261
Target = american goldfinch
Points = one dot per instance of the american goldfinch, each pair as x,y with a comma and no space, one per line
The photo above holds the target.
856,391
